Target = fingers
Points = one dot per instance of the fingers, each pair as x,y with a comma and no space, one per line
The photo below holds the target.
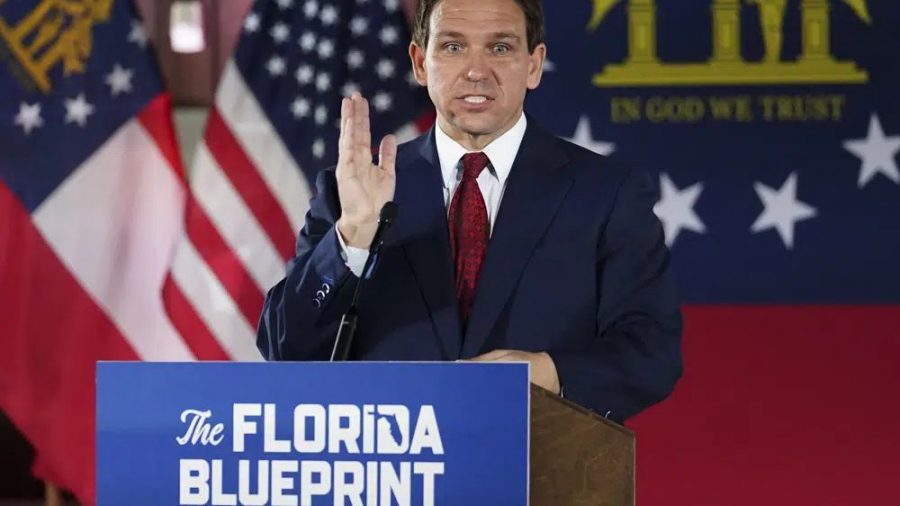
363,134
387,154
345,141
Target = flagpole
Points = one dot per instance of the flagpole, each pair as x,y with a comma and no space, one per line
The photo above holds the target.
52,495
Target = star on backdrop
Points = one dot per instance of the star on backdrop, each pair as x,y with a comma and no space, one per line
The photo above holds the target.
782,210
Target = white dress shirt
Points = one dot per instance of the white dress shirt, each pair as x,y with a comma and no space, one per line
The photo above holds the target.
501,152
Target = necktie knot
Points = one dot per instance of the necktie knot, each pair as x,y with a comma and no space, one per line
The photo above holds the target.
473,164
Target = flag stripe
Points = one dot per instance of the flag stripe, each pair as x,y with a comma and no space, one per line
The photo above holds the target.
223,262
262,145
246,179
232,218
209,243
196,333
53,332
121,258
213,304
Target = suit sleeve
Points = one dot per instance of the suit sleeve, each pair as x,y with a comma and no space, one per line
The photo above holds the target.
635,359
302,312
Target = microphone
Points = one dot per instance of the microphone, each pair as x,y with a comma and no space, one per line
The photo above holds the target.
347,328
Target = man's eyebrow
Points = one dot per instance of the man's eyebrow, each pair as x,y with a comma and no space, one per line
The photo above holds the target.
495,35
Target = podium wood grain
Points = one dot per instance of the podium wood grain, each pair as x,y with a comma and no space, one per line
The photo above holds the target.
577,457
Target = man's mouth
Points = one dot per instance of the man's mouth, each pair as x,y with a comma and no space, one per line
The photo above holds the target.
475,99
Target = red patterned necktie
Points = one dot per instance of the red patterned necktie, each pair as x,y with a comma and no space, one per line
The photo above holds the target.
469,232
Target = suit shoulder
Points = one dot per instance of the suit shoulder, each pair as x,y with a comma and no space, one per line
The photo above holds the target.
591,163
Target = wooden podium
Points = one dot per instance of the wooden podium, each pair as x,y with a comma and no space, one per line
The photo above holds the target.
577,457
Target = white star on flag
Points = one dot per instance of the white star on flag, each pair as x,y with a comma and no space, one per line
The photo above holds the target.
782,210
275,66
77,110
251,24
388,35
382,101
280,33
877,153
308,41
304,74
310,8
585,138
676,208
549,66
29,117
119,80
285,4
329,15
355,59
359,26
137,34
384,69
300,108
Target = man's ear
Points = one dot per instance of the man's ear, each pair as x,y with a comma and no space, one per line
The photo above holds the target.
417,57
536,66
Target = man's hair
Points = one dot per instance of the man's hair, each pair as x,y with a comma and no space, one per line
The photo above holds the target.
534,22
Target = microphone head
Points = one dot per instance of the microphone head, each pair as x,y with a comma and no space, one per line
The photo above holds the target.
389,212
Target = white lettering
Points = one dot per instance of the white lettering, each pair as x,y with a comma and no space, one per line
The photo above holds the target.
261,497
194,482
219,497
271,443
427,433
242,427
338,434
308,487
395,486
281,483
428,470
352,489
316,414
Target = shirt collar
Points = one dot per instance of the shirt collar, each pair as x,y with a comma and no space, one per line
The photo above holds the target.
501,151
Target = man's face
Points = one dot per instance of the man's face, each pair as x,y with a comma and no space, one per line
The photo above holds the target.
477,67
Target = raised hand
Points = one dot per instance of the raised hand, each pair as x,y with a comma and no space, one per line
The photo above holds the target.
363,186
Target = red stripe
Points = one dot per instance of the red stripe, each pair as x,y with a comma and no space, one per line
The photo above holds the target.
204,236
426,120
224,263
157,121
779,406
248,182
52,334
188,323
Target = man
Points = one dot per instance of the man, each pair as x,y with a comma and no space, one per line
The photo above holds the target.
570,273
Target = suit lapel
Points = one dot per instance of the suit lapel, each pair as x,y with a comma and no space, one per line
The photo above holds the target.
535,190
421,227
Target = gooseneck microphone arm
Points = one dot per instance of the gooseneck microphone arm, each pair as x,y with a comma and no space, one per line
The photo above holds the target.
347,329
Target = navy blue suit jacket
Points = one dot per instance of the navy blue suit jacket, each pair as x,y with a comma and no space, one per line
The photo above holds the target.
576,266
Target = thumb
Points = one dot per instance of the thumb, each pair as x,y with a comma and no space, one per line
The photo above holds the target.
387,154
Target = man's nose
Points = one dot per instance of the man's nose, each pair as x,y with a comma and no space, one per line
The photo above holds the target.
477,69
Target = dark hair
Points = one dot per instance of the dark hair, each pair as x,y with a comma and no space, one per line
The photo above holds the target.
534,22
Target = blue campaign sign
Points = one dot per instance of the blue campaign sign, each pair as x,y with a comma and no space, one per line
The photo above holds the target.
307,434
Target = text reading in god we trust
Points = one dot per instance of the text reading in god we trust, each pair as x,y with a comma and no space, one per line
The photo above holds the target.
362,455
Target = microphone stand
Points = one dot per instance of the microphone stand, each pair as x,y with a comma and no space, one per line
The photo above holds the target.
347,329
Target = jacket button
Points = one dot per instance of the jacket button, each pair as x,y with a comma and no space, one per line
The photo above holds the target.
317,303
320,295
326,288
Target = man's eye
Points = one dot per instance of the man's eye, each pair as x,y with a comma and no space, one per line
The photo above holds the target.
452,47
501,48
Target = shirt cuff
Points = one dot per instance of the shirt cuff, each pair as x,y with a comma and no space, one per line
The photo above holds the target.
355,258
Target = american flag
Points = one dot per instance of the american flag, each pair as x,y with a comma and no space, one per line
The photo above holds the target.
91,205
105,252
273,126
